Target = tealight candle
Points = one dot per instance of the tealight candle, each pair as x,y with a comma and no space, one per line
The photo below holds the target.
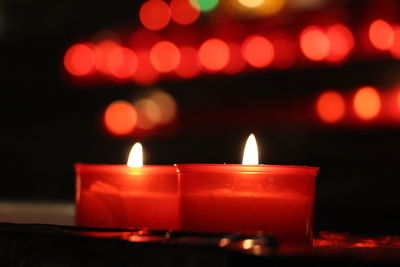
127,196
250,197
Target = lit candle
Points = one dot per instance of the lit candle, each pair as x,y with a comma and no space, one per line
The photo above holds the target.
127,196
249,197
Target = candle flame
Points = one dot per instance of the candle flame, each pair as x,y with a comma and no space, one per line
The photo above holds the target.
135,158
250,154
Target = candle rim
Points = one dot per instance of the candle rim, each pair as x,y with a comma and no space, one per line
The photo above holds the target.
263,168
92,167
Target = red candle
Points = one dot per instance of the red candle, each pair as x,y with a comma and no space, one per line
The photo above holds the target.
118,196
231,197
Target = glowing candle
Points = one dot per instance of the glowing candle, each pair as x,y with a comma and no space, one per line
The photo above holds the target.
249,197
127,196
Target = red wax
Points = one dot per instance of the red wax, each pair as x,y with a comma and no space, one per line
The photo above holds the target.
231,198
118,196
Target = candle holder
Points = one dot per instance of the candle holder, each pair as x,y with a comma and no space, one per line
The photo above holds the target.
248,198
117,196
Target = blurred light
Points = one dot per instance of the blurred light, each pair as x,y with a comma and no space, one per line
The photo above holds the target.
145,74
367,103
258,51
284,53
314,43
188,65
120,117
149,114
341,42
102,52
79,60
122,62
182,12
252,3
248,244
204,5
155,14
330,107
395,48
250,154
135,158
270,7
165,56
214,54
381,34
167,105
236,61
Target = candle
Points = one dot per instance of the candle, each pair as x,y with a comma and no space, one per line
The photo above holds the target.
231,197
127,196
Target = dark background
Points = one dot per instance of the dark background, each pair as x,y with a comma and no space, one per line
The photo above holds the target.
49,120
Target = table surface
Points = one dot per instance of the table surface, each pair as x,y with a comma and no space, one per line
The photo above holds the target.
328,246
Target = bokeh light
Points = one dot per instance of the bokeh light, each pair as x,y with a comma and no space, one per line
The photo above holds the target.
155,14
204,5
251,3
149,114
79,60
258,51
182,12
167,105
102,52
122,63
367,103
165,56
381,34
236,61
395,48
214,54
189,66
270,7
330,107
120,117
314,43
341,42
145,74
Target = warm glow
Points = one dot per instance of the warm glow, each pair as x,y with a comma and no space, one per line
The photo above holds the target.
314,43
367,103
236,62
183,12
189,66
285,53
341,42
149,114
214,54
165,56
120,117
102,51
395,48
145,74
251,3
258,51
248,244
122,62
135,158
250,154
167,105
79,60
381,34
269,7
330,107
155,14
